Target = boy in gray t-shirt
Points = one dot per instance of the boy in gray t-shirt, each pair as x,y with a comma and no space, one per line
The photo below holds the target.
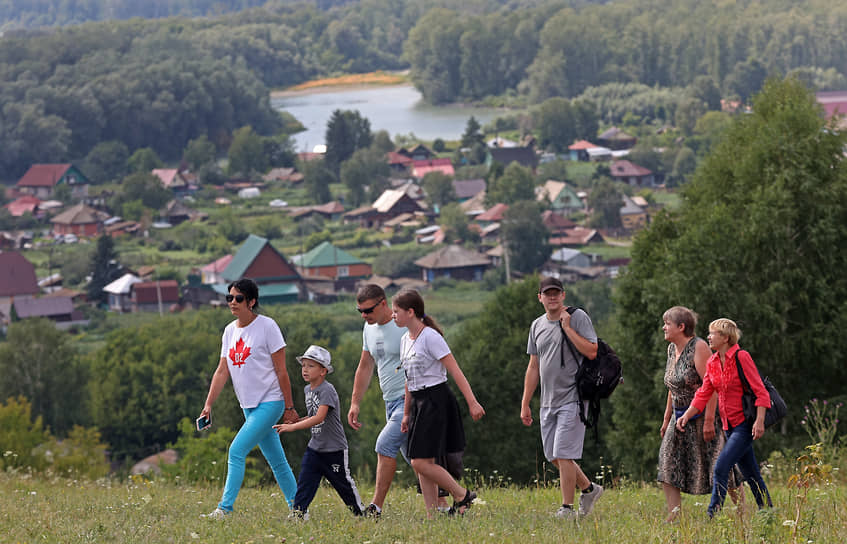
326,455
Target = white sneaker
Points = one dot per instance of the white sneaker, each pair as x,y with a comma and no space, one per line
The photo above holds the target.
587,500
217,513
297,515
565,513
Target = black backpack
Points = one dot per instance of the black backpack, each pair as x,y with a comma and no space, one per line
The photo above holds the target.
596,378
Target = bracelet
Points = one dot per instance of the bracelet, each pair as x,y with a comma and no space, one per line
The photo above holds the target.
287,409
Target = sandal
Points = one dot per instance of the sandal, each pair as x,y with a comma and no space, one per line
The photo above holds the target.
464,503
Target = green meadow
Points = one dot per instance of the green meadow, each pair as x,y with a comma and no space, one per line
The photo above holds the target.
41,509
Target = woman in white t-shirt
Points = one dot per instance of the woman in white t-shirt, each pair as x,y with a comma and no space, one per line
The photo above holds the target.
431,414
253,354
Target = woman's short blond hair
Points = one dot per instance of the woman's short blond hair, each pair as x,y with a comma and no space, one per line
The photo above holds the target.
680,315
728,328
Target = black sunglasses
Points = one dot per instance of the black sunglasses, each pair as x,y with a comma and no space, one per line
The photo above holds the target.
369,310
238,298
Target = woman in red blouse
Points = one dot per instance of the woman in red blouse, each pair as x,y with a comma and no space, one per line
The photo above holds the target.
722,376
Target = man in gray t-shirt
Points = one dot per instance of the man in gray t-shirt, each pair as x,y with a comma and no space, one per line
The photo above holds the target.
552,362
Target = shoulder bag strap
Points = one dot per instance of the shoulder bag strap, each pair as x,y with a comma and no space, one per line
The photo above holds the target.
741,375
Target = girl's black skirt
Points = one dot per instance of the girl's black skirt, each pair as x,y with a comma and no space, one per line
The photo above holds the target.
435,425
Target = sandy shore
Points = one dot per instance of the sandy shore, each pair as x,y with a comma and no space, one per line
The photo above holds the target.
279,93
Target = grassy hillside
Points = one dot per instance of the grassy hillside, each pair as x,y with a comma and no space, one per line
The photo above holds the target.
34,509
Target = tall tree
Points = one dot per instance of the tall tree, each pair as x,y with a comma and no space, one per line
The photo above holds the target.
143,160
606,200
316,179
247,152
472,134
365,168
526,236
439,188
759,239
199,152
104,269
106,162
37,361
516,183
346,131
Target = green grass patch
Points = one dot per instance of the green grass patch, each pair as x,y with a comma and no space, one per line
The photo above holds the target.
141,510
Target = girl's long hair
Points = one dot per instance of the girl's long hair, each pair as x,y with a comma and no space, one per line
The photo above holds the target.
409,299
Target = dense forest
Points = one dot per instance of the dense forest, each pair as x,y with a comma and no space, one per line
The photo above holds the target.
159,83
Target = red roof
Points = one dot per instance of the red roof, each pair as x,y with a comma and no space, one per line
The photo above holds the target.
43,175
26,203
581,144
146,292
218,265
421,168
494,213
17,275
398,158
626,169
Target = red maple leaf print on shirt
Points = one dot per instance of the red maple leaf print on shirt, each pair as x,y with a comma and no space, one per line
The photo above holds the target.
239,353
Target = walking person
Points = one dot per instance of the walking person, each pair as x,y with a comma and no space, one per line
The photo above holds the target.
686,459
552,363
431,414
253,354
381,350
326,456
722,376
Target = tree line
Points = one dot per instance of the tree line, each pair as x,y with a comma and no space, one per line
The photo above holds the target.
759,239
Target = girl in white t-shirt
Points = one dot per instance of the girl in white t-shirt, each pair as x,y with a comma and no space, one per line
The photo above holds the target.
253,354
431,414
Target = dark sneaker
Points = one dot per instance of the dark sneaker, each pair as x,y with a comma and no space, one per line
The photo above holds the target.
372,511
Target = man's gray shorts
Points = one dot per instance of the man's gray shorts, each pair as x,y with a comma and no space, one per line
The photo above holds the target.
562,432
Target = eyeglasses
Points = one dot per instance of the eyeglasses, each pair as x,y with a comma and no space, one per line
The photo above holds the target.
238,298
371,309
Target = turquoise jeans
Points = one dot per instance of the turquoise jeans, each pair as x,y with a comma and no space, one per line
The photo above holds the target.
258,430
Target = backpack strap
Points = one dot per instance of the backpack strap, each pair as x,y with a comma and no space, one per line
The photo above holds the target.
589,420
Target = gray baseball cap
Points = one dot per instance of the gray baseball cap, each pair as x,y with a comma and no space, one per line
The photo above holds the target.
319,355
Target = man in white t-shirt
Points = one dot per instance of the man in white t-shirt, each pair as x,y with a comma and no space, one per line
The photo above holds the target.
380,349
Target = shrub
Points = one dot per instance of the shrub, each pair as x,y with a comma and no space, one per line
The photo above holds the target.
20,435
81,454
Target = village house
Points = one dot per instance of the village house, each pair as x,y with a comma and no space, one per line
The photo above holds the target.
562,197
257,259
154,296
492,215
616,139
524,156
80,220
331,211
390,204
17,281
213,272
558,225
58,309
454,262
418,153
329,261
119,293
577,237
398,163
283,175
633,216
466,189
579,150
422,167
25,204
41,180
632,174
176,212
172,179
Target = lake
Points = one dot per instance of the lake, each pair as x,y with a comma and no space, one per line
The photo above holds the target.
399,109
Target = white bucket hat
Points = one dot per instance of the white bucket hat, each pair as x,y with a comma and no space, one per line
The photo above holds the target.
319,355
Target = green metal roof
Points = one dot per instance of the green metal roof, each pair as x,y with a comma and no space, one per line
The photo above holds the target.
242,260
327,254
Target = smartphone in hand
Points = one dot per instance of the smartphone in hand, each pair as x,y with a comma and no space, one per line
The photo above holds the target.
203,423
